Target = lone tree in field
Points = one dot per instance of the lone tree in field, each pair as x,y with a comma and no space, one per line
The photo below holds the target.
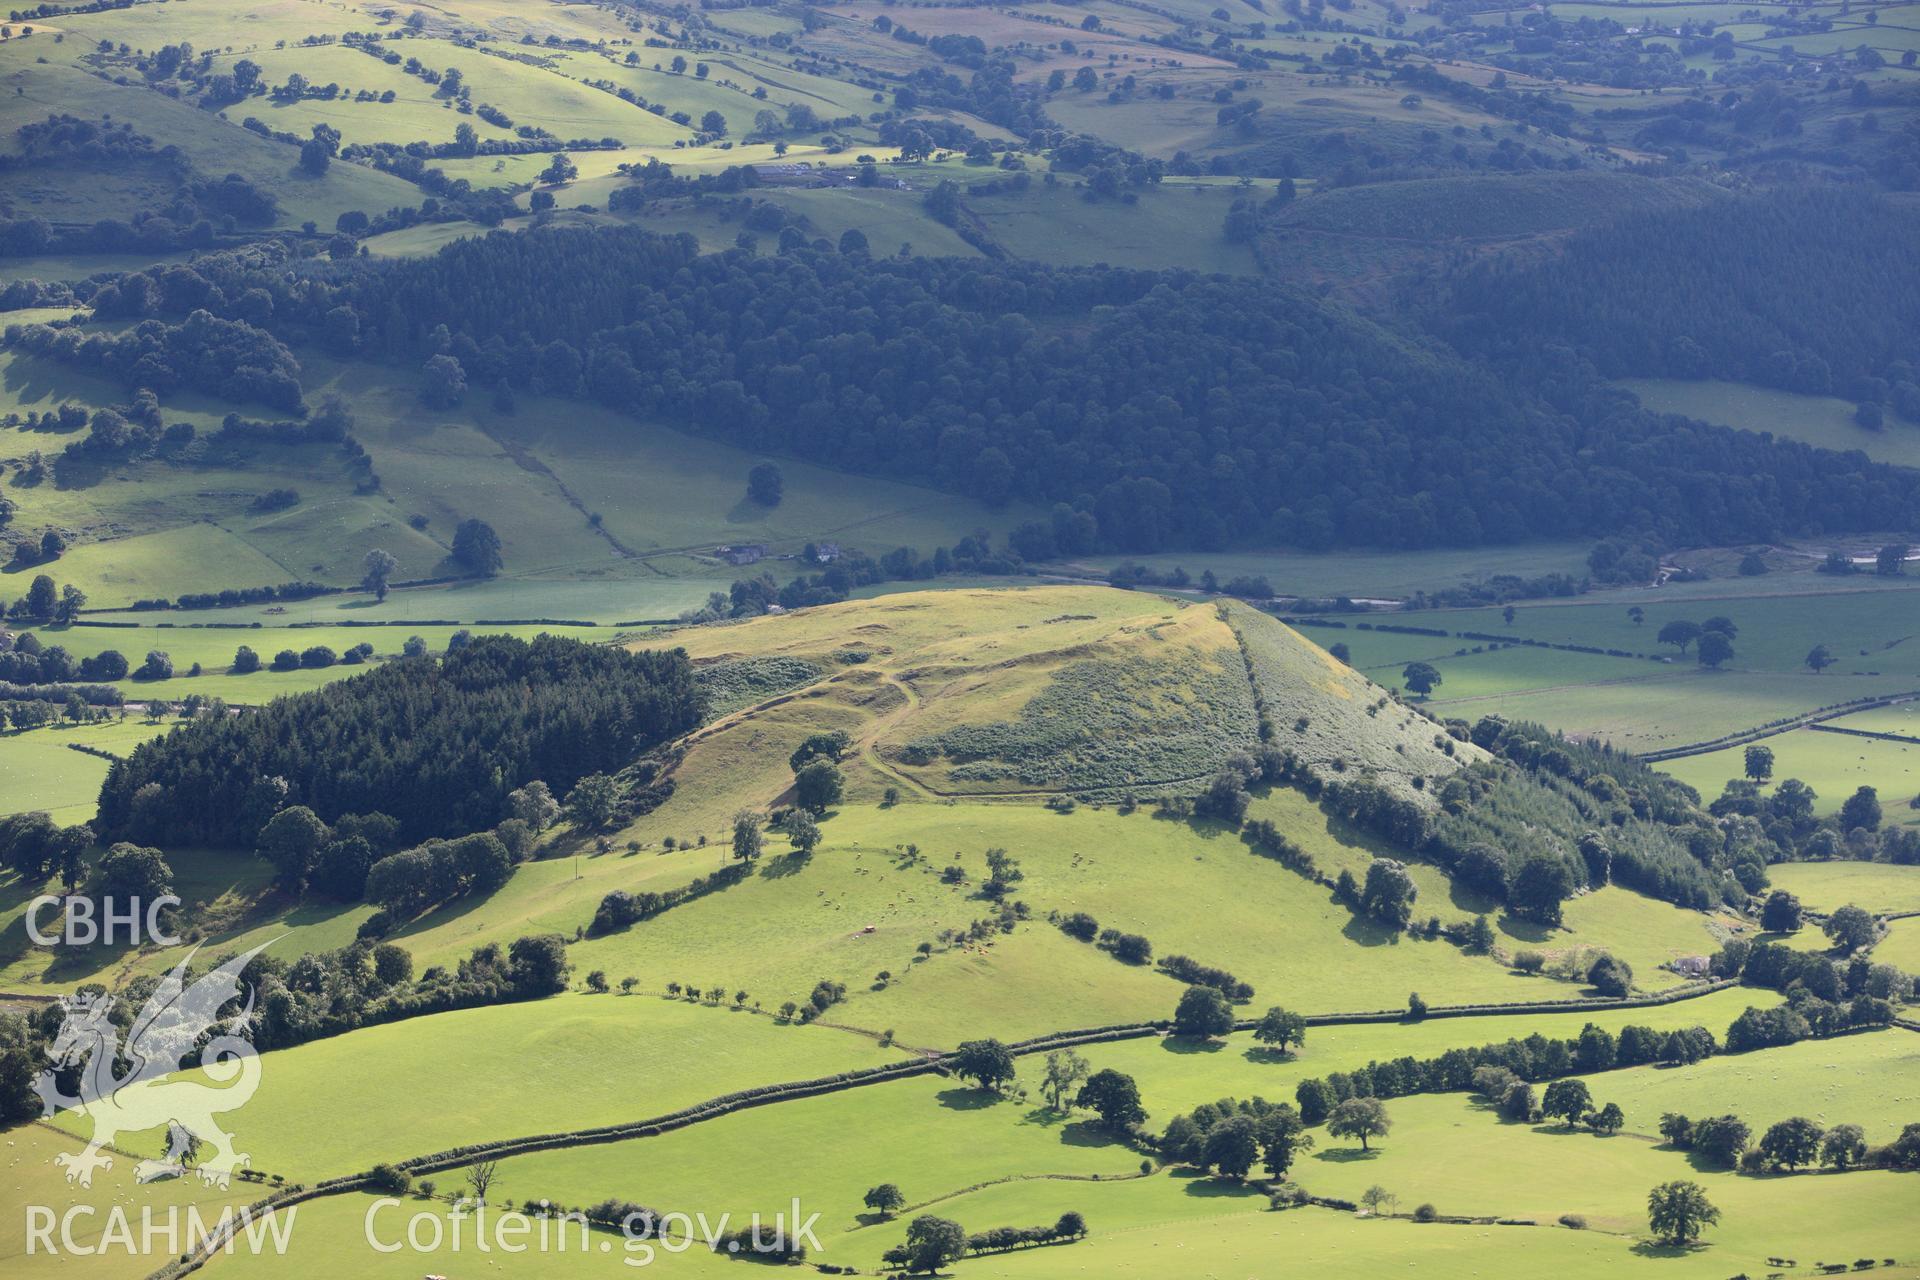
885,1200
1679,1211
746,835
1114,1097
1715,648
765,485
1819,658
1065,1069
1362,1118
1759,763
476,547
480,1177
803,832
985,1062
1203,1012
379,567
1282,1030
1420,677
1567,1099
1679,633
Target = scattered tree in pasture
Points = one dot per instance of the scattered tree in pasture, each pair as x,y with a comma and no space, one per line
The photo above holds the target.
1680,634
1065,1070
987,1063
747,837
1362,1118
480,1177
1203,1013
1281,1029
765,485
476,547
1715,649
884,1199
803,832
1759,762
1421,677
1114,1097
1567,1099
379,566
1819,658
1679,1211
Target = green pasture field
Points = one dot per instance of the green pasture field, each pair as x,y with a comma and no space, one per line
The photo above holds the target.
214,148
1823,886
1170,226
1695,706
540,472
213,887
772,936
571,1062
1824,421
417,113
1832,764
1454,1152
38,770
888,219
1869,1078
1900,947
1900,718
32,1178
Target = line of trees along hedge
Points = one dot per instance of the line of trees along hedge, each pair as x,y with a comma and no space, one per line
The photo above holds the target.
1175,409
439,745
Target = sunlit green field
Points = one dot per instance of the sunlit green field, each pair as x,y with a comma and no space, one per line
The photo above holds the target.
1826,885
1833,764
1824,421
572,1062
39,770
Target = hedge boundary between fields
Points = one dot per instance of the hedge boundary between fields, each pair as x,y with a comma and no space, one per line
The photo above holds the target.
1773,728
763,1095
